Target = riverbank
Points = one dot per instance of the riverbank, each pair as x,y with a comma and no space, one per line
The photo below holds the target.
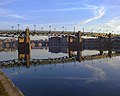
7,88
2,90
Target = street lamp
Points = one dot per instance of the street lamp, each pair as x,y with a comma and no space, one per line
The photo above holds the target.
118,32
49,28
54,29
112,32
106,31
74,29
34,28
42,28
100,30
63,28
18,28
91,30
83,29
12,27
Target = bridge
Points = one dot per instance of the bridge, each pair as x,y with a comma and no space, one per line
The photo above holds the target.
70,38
33,43
11,33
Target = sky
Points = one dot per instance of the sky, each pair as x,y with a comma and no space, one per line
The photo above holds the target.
92,15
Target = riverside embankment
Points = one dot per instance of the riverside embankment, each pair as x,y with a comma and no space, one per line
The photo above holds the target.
7,88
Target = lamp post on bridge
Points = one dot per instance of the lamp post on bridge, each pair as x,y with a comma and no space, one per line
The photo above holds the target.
74,29
34,28
106,31
92,30
18,28
54,29
83,30
112,32
100,30
12,28
118,32
42,28
49,28
63,29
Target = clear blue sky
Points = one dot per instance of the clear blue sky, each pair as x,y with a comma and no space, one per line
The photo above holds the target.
87,14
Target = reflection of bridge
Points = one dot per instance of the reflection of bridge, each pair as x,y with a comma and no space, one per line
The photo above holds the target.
24,59
99,56
16,62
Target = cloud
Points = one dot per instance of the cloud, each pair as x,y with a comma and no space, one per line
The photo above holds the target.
65,9
90,6
98,14
114,23
98,73
112,2
9,13
70,3
5,2
86,7
4,11
18,16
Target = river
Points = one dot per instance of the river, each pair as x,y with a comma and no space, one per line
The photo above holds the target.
98,77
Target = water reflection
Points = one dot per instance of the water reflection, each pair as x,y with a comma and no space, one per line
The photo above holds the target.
24,56
87,74
73,54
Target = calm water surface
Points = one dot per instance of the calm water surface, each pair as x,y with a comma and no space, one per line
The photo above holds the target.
99,77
